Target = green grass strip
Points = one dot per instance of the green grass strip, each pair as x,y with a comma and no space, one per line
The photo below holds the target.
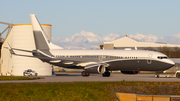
80,91
18,78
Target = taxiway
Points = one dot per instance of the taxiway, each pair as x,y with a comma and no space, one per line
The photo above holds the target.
76,77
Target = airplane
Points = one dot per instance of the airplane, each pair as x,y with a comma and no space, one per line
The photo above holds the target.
94,61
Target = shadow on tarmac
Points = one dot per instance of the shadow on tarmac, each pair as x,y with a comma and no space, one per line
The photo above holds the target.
68,75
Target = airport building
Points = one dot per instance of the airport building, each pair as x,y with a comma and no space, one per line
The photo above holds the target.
127,42
21,36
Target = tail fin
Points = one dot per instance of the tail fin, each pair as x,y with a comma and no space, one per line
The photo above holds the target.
40,37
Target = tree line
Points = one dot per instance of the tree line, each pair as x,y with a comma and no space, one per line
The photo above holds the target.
171,52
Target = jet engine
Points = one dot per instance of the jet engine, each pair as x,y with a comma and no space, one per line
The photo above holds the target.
130,72
95,69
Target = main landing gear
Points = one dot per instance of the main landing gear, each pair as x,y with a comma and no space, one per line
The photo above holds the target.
106,74
84,74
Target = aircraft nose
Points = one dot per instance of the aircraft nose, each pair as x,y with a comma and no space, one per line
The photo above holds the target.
170,62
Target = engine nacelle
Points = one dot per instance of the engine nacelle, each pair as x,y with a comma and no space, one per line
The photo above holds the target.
130,72
95,69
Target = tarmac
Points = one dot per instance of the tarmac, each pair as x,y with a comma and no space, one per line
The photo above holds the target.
76,77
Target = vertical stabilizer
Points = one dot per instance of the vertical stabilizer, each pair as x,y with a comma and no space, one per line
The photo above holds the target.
40,37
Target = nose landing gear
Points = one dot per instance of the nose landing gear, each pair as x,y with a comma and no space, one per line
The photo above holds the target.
158,74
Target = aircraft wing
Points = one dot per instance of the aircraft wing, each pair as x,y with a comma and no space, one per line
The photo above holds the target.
52,59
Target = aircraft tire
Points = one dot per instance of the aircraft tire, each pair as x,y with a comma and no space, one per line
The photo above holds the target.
157,76
106,74
84,74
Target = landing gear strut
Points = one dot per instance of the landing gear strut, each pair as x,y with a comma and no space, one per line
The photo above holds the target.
84,74
158,74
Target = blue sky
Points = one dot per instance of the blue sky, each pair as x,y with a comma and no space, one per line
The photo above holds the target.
68,17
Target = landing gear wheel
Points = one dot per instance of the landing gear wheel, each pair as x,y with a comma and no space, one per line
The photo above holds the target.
84,74
106,74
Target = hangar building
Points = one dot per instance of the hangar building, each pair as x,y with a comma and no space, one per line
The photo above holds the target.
21,36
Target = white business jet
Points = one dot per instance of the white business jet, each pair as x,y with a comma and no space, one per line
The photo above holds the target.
95,61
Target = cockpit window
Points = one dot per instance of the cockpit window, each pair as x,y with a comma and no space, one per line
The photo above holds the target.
162,57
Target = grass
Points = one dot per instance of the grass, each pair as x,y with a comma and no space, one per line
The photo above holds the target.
53,92
82,91
18,78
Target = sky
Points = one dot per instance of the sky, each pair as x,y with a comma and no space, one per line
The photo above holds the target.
78,23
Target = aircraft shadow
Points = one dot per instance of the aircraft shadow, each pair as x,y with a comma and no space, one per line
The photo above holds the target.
68,74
